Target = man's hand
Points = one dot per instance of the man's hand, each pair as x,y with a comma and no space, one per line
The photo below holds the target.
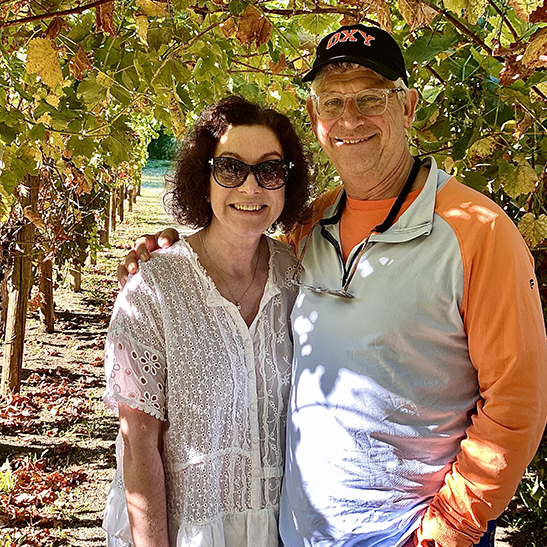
143,247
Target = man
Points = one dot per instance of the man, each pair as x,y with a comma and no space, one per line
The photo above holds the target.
420,353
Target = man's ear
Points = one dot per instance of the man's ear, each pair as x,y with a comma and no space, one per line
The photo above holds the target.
312,115
409,107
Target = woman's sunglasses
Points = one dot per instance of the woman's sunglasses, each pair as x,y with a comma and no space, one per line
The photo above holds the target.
231,173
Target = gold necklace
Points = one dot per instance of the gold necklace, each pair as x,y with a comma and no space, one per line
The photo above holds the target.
236,301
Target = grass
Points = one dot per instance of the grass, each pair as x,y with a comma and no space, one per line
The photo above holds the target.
7,482
154,172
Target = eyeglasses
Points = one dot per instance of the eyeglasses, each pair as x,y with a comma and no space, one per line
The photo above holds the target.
231,173
342,292
369,102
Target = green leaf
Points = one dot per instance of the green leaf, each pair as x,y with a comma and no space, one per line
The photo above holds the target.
7,134
119,93
9,181
426,48
159,37
205,65
460,146
37,133
117,148
82,146
429,94
457,6
316,24
475,180
237,7
179,5
91,92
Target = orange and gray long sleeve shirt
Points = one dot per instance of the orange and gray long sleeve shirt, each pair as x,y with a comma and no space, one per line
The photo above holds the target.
416,406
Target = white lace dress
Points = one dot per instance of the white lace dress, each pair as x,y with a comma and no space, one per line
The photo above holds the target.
179,351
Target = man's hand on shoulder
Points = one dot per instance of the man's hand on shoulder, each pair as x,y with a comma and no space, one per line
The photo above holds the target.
142,249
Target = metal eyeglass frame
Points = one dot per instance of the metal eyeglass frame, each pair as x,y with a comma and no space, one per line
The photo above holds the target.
385,92
344,291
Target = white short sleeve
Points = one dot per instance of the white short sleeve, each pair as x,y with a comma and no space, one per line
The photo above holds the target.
135,365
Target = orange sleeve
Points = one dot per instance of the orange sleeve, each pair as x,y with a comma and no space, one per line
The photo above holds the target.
502,314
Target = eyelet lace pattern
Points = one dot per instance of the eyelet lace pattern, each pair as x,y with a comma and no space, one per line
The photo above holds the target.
179,351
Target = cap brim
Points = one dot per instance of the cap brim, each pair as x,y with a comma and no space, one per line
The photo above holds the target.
389,73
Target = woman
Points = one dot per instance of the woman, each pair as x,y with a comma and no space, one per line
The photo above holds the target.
198,351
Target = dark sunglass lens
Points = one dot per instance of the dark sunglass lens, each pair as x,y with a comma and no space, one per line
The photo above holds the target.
229,172
271,174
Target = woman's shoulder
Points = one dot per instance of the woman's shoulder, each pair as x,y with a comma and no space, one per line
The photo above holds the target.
178,253
283,252
166,266
282,263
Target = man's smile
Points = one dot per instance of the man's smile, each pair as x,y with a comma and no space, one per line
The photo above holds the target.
340,141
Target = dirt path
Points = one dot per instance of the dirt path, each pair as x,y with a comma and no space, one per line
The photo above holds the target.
56,436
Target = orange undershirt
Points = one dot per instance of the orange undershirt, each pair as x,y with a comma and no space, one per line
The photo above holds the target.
359,217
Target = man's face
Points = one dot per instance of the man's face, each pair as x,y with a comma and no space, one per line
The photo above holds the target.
361,146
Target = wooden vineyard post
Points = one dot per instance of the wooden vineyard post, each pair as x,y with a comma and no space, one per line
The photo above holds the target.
121,191
130,200
113,209
75,275
105,232
47,306
19,291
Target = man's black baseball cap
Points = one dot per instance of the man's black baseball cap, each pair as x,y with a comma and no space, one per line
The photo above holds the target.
368,46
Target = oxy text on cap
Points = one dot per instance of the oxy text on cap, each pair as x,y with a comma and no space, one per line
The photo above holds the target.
349,35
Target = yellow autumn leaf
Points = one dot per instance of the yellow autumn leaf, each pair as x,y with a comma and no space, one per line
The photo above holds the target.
542,88
142,28
523,8
44,119
42,60
152,9
536,52
482,148
105,80
383,14
522,126
415,13
457,6
449,164
34,217
521,179
53,100
228,28
55,139
533,230
177,121
474,9
253,27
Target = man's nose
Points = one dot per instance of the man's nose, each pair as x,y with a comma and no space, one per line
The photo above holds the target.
351,114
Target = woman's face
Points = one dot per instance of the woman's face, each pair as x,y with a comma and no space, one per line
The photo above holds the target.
249,209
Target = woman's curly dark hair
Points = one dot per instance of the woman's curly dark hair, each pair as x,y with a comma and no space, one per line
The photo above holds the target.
189,186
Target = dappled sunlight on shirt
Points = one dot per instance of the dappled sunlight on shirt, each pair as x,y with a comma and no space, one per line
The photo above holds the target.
467,210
